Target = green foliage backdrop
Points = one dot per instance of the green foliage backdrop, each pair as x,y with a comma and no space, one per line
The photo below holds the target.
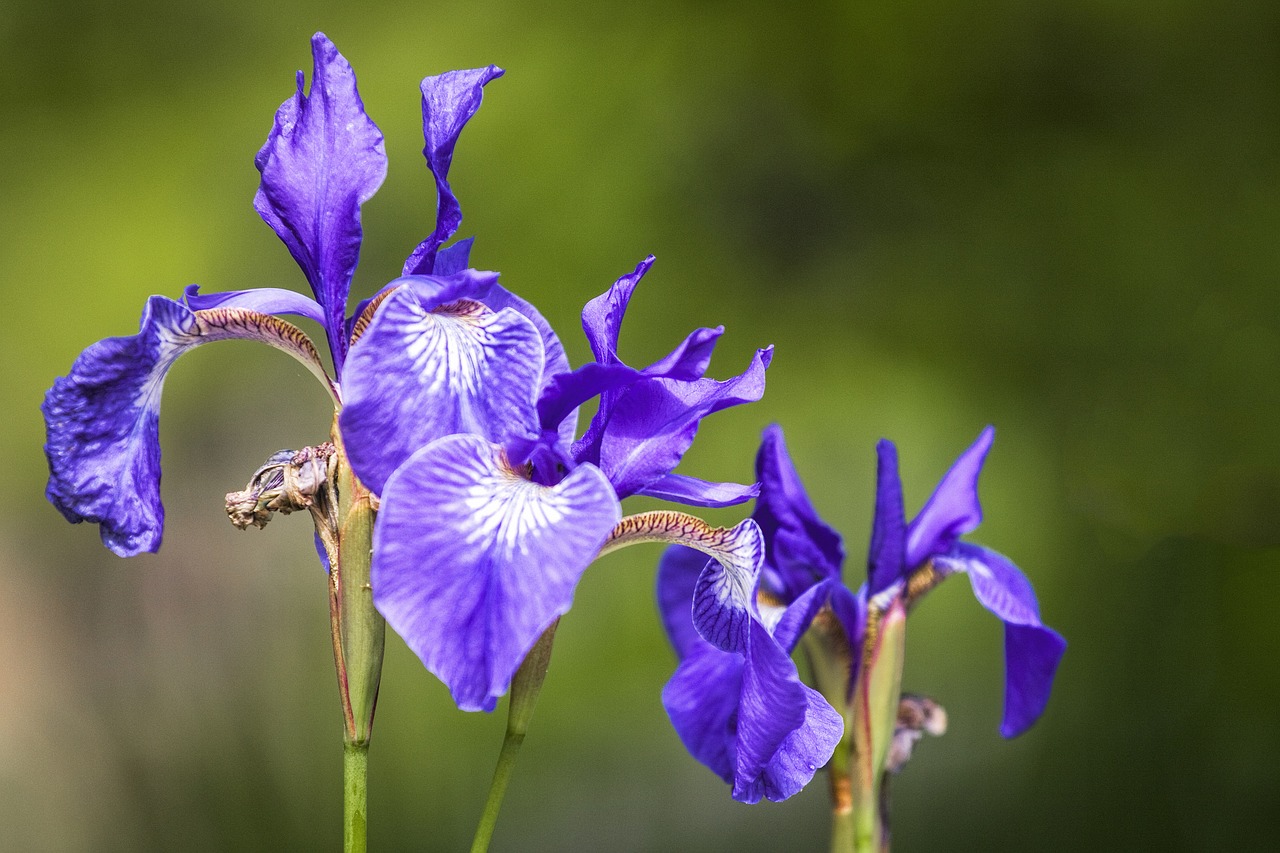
1057,217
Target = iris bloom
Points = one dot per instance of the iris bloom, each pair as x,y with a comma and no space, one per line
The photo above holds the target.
800,589
455,403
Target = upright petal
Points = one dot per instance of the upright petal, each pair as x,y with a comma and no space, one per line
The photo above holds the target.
103,418
471,562
651,423
1032,650
801,547
449,101
416,375
953,509
323,158
602,316
885,561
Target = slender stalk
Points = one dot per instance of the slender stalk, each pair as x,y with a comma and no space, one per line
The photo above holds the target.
525,688
355,796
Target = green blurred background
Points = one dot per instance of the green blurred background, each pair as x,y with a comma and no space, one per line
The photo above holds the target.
1057,217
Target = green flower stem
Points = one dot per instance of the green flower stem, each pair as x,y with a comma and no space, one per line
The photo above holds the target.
355,799
525,688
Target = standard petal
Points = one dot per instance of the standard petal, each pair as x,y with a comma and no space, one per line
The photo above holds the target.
102,419
602,316
323,158
650,424
416,375
799,545
885,565
702,701
449,101
471,562
953,509
783,732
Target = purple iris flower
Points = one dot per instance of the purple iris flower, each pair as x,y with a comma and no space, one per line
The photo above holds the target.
717,701
490,511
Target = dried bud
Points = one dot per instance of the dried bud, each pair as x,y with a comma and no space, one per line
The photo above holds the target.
917,716
289,480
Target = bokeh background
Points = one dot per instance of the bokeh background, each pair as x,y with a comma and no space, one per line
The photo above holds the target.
1057,217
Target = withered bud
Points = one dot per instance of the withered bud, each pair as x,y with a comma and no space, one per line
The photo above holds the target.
917,716
289,480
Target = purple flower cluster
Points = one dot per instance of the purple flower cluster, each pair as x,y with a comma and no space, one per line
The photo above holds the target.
736,699
456,403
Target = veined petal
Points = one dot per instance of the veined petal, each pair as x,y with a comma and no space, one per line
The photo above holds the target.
449,101
885,560
785,730
740,548
323,158
724,604
103,418
416,375
264,300
953,509
801,547
651,423
1032,650
471,562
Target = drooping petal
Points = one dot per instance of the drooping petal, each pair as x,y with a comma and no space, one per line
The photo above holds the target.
1032,654
416,375
471,562
103,418
264,300
651,423
556,361
449,101
1032,650
678,573
323,158
702,700
785,730
724,604
953,509
800,546
885,560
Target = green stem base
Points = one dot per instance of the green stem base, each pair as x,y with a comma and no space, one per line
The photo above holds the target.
355,797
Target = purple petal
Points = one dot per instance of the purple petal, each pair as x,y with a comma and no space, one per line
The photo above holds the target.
702,701
678,573
953,509
434,291
102,419
564,392
1032,650
417,375
800,546
556,360
885,560
323,158
798,615
264,300
449,101
651,423
724,602
455,258
1032,654
602,316
690,490
785,730
471,562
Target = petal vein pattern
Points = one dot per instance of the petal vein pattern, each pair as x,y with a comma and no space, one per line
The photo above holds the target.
417,375
471,562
